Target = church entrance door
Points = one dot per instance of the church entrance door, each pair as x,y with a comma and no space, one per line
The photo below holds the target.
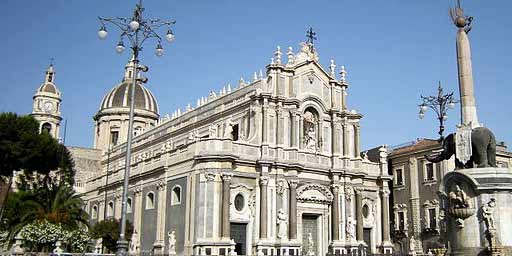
238,233
310,234
367,237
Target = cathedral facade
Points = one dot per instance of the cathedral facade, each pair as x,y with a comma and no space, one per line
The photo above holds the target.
271,167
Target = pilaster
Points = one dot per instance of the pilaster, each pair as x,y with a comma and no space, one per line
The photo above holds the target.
226,183
159,244
293,209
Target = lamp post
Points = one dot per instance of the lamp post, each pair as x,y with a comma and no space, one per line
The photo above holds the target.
440,105
136,30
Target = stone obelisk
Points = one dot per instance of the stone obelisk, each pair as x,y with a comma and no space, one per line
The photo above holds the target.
467,98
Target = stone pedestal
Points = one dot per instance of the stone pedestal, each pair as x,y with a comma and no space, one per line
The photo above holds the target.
478,205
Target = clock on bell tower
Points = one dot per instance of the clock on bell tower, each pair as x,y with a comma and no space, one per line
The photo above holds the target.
47,103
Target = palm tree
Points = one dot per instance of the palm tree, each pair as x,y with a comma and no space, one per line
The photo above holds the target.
58,204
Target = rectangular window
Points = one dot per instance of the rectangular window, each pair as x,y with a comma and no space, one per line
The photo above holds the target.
429,171
401,221
399,177
114,137
235,132
432,218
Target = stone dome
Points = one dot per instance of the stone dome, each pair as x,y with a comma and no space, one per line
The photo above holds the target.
119,97
48,87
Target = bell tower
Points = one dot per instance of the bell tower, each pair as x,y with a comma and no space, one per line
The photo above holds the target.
47,104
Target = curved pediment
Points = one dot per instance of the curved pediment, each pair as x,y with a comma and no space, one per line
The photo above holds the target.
314,193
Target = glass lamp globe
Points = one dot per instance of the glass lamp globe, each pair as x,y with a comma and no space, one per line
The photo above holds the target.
424,108
169,36
102,33
451,105
120,47
134,25
445,117
159,51
421,115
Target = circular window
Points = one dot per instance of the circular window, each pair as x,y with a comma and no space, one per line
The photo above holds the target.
366,210
239,202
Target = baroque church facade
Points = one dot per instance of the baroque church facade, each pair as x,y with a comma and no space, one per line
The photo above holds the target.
271,167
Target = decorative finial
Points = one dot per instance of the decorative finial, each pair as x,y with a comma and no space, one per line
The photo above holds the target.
290,56
229,88
261,74
343,74
459,19
255,77
224,90
332,68
277,54
241,82
272,61
198,103
189,107
179,111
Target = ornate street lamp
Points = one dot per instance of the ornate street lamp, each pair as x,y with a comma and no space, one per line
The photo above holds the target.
440,104
136,30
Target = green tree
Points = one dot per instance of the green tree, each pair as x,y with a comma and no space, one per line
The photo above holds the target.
24,150
108,231
57,204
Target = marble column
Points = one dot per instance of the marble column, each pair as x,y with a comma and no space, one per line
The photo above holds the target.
385,216
293,209
263,207
335,213
226,183
359,215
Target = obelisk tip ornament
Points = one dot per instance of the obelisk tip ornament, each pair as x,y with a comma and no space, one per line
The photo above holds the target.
467,98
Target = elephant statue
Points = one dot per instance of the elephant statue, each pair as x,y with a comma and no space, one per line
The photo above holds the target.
483,145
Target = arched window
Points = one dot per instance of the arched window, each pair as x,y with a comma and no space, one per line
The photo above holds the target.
94,213
110,209
176,195
46,127
128,205
310,129
150,200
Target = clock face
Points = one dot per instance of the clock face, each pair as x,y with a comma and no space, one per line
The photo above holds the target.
48,106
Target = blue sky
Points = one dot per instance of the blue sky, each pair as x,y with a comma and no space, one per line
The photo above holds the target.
393,50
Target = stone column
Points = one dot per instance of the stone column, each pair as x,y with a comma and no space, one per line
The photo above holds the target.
263,207
467,97
357,129
345,139
279,125
335,213
137,215
293,209
293,129
385,216
359,215
226,183
264,122
160,219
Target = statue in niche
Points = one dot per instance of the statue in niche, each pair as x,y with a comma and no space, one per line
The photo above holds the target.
171,236
487,213
310,134
458,198
311,245
212,131
412,246
134,243
228,132
282,223
350,228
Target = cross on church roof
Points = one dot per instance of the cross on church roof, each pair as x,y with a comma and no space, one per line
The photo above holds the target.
311,35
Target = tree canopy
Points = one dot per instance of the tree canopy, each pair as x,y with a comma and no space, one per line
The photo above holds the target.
108,231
